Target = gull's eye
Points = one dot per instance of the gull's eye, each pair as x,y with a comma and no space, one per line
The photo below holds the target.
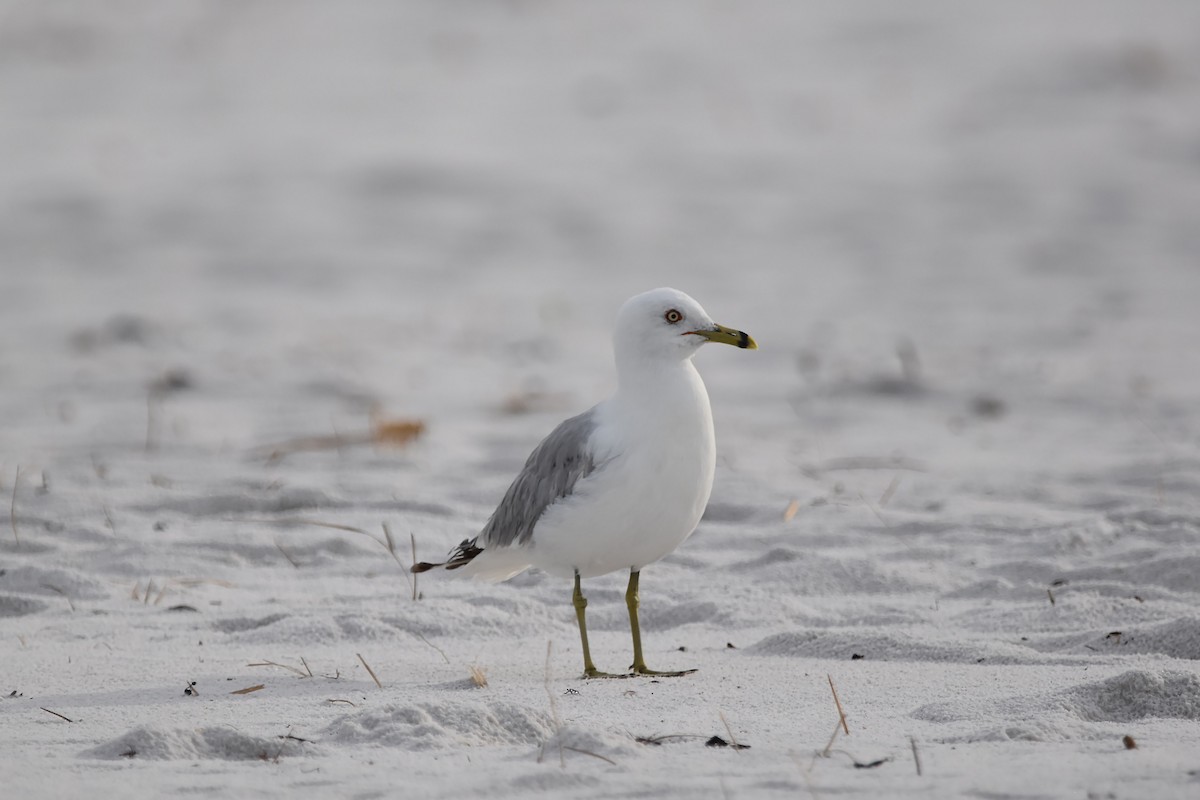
673,316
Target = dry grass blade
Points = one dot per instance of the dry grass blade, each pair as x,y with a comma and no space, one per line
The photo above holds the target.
151,426
307,668
874,510
916,755
837,730
412,538
886,497
589,753
318,523
390,544
478,675
12,507
791,510
871,462
337,700
289,667
387,543
191,582
737,748
55,713
285,553
249,689
838,703
66,596
370,671
441,652
562,759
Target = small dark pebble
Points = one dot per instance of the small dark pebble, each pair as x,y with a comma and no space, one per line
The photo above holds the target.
728,645
681,649
173,380
1129,743
856,656
987,406
717,741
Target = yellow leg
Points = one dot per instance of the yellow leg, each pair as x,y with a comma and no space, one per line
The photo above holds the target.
639,663
580,603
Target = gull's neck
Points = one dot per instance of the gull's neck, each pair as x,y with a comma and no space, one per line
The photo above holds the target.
649,383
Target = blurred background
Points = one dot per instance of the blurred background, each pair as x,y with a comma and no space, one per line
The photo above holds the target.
307,210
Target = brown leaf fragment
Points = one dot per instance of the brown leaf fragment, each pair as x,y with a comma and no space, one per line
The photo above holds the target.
397,431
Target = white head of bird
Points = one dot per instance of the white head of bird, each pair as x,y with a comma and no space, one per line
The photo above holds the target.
665,325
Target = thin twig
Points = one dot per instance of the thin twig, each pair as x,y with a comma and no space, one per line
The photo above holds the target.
370,671
916,755
12,508
306,667
55,713
841,711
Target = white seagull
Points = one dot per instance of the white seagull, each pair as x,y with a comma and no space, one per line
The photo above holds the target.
622,484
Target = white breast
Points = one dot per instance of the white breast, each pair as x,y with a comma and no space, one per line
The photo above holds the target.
658,455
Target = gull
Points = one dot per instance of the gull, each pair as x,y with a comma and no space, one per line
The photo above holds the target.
622,484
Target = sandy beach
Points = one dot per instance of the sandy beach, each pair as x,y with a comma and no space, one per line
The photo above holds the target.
289,291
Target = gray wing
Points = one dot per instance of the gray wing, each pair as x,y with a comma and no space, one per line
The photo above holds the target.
549,474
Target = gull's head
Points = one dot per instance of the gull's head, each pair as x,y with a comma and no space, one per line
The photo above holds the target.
666,324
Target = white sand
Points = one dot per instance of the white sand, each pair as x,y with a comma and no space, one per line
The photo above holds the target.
303,211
